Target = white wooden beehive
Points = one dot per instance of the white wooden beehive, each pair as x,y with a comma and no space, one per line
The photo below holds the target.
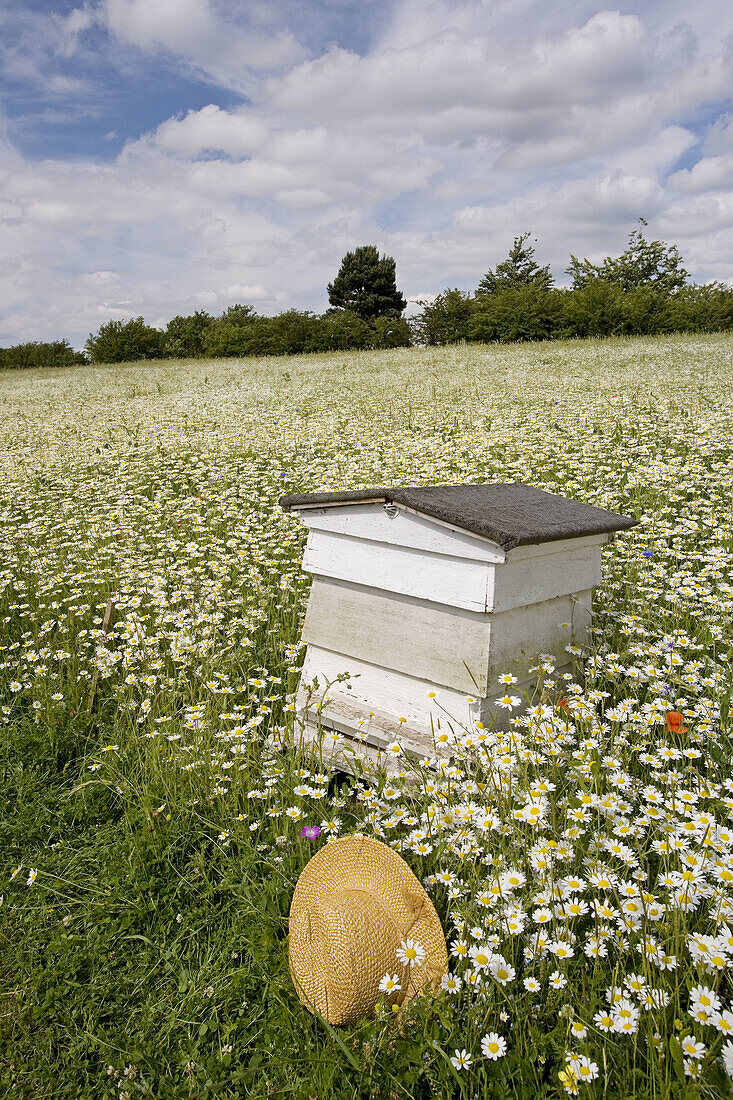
425,596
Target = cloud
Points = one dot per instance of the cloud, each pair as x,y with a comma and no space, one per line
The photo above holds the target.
194,32
448,77
463,125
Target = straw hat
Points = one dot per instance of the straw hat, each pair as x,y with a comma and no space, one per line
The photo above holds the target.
354,903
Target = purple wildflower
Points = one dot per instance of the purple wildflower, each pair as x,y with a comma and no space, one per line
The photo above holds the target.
310,832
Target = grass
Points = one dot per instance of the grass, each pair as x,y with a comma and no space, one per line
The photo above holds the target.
150,613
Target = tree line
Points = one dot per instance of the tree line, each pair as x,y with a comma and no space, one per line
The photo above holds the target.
643,291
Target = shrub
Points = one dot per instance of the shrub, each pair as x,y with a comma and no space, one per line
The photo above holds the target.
391,331
185,336
124,341
291,333
706,308
445,320
520,313
341,330
58,353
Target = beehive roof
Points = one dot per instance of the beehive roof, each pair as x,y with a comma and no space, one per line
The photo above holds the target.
510,515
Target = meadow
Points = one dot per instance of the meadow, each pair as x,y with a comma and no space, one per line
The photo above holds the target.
154,791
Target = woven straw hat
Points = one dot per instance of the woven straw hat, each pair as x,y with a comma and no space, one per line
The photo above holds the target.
354,903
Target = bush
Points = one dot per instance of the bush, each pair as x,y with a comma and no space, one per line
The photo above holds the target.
342,330
593,309
290,333
125,341
445,320
391,331
185,336
706,308
58,353
520,313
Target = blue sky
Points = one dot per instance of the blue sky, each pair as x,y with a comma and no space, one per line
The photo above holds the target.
161,156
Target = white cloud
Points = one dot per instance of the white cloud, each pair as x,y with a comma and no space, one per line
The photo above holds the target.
709,174
468,123
238,133
193,31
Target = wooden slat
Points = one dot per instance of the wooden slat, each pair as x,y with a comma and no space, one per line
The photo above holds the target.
561,569
434,642
457,582
458,649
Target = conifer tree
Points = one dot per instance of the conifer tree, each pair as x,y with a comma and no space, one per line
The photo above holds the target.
518,270
366,285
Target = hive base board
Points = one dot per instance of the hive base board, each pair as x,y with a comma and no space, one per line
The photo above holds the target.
397,695
353,735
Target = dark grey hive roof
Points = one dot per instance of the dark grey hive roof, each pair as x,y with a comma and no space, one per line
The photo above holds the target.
510,515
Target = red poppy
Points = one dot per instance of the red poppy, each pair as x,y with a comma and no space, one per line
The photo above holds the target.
562,704
675,721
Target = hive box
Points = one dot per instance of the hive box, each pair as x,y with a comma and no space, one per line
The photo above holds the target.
425,596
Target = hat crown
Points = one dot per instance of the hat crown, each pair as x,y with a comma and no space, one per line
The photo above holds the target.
354,903
351,942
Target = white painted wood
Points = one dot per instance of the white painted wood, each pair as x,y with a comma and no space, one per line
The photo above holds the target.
559,546
520,634
457,582
392,692
343,548
350,728
403,528
449,646
446,645
524,581
410,606
404,695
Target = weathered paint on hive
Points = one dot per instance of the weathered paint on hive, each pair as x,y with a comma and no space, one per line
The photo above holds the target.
450,646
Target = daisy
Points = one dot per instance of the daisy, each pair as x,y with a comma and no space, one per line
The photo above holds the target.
411,953
481,956
390,984
503,972
691,1048
493,1046
451,983
461,1059
727,1053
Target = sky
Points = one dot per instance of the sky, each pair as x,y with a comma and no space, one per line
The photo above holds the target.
163,156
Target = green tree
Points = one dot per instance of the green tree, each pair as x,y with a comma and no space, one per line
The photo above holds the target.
366,284
595,308
236,332
124,341
341,330
390,331
518,270
288,333
56,353
445,320
240,315
644,263
185,335
527,312
704,307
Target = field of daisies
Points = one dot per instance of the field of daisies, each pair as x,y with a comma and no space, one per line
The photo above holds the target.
157,803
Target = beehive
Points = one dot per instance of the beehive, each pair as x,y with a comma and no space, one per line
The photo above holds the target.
426,595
